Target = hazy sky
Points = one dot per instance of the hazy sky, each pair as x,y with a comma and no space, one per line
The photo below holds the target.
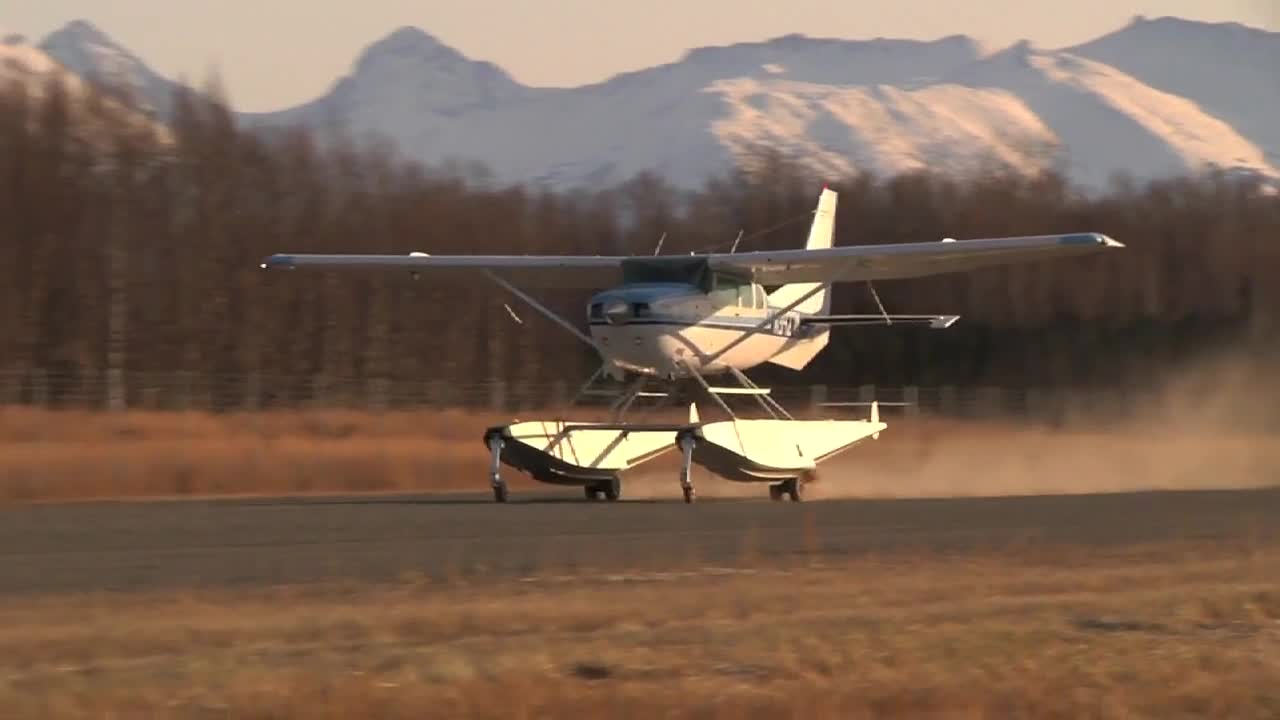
275,53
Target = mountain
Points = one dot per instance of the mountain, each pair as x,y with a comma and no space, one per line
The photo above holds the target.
1229,70
88,52
1155,98
407,87
33,70
1106,121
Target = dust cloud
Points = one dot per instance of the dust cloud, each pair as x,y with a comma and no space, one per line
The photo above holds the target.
1215,424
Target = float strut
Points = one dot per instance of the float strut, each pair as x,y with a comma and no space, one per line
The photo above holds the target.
686,442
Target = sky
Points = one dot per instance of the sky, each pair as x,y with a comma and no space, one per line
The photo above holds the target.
271,54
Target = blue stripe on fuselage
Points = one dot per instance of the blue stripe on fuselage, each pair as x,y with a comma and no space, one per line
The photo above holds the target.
761,326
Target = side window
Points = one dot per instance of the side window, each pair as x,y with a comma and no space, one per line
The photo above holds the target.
761,302
745,299
725,291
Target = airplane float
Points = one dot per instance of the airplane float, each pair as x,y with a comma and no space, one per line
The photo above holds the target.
676,319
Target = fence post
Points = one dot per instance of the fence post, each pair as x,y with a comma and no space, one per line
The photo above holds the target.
559,394
252,392
376,394
498,395
39,388
13,388
817,396
947,399
911,396
990,402
866,393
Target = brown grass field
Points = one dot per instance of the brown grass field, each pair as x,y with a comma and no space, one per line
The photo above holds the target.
1183,629
74,455
1174,631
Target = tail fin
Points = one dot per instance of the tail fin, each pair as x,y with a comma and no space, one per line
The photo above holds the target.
797,354
821,233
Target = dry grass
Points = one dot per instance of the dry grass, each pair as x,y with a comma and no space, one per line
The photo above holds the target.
67,455
1158,632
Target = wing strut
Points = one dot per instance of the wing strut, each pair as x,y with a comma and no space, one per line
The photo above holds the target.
540,308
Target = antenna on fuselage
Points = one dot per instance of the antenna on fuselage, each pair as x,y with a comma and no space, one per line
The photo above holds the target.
736,241
659,248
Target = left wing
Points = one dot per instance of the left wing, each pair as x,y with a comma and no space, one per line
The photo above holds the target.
563,271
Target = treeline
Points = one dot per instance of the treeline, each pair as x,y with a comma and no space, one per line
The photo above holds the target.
127,250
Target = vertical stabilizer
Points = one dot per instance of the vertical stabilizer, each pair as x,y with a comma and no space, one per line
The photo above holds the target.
797,354
821,233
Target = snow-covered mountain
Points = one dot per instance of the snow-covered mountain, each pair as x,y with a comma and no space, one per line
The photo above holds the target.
1229,70
33,70
1155,98
407,87
88,52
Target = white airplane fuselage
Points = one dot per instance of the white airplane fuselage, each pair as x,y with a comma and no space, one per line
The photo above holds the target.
668,329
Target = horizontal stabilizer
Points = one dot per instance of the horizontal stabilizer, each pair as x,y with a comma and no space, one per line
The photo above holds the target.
621,393
738,390
629,427
935,322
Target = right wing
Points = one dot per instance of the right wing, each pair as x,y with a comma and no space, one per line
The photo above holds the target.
935,322
856,263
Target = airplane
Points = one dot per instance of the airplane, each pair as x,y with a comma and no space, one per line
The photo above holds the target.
673,319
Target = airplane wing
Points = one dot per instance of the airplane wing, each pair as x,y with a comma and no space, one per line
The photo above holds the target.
768,267
563,271
858,263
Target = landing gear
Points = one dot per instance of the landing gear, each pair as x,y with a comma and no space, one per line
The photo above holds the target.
793,488
494,441
686,442
610,489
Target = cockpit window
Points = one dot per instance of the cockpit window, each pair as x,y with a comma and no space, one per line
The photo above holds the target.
727,291
597,311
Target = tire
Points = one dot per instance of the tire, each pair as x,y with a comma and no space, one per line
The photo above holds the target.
792,489
612,489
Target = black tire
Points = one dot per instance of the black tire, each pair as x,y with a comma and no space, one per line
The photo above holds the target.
590,492
689,496
775,492
792,489
500,493
612,489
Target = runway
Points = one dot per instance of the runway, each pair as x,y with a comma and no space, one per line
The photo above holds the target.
250,543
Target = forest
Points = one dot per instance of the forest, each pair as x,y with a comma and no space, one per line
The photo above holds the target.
128,249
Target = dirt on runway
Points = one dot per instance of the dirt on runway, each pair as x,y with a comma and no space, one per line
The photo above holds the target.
144,546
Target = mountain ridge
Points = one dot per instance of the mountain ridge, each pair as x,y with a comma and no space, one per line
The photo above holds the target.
1134,101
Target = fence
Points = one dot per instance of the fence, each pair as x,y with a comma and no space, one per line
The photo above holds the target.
219,393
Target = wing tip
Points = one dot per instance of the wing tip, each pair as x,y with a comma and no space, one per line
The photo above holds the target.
1090,238
276,261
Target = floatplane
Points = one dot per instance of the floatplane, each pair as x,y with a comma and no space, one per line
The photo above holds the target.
669,320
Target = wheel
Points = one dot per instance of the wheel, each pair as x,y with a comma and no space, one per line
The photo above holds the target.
689,495
792,489
612,489
775,492
500,493
591,492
